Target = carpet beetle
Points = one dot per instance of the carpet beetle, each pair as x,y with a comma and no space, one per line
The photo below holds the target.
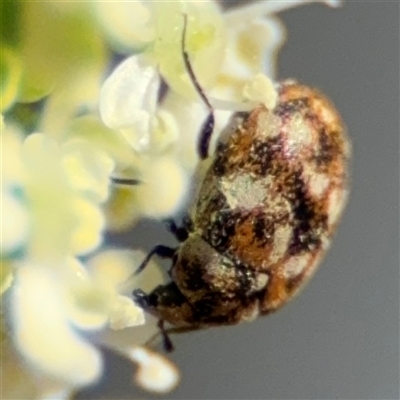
263,214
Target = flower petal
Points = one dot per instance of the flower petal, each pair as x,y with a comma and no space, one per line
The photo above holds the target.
64,52
121,210
42,332
127,24
114,268
205,39
128,100
87,233
110,141
12,167
189,117
88,303
74,224
164,131
88,169
46,188
125,313
163,189
252,49
261,90
14,223
155,372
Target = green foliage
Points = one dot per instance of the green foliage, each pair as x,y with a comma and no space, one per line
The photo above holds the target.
10,17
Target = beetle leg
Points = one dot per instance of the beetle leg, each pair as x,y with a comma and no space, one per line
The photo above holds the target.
159,250
166,332
180,232
167,342
143,300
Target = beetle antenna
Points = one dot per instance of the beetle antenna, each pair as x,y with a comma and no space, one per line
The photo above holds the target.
208,126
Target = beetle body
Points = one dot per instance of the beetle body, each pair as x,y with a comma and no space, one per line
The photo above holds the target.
264,211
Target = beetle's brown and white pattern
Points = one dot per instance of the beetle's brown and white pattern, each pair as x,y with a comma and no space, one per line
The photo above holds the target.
264,213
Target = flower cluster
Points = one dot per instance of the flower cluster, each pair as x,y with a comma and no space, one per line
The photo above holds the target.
67,131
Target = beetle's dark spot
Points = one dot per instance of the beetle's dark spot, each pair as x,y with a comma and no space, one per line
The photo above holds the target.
264,153
293,283
259,228
166,296
215,206
220,163
194,271
222,230
204,308
240,116
327,150
303,215
246,277
263,229
308,222
288,108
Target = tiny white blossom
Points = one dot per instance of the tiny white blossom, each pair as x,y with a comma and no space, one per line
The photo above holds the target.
128,100
50,344
163,189
124,313
88,169
127,24
155,372
261,90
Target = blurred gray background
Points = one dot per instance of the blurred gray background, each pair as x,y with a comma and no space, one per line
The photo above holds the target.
340,338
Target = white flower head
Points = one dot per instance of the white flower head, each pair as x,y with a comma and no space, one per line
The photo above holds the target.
74,298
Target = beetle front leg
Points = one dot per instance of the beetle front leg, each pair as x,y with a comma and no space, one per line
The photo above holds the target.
159,250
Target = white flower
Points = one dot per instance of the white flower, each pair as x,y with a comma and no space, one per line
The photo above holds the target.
230,59
261,90
50,344
75,223
128,100
155,373
75,298
52,196
127,24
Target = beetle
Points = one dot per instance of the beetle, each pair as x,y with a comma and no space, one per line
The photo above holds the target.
264,210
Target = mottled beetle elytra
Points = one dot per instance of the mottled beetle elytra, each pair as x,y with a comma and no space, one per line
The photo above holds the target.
262,217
